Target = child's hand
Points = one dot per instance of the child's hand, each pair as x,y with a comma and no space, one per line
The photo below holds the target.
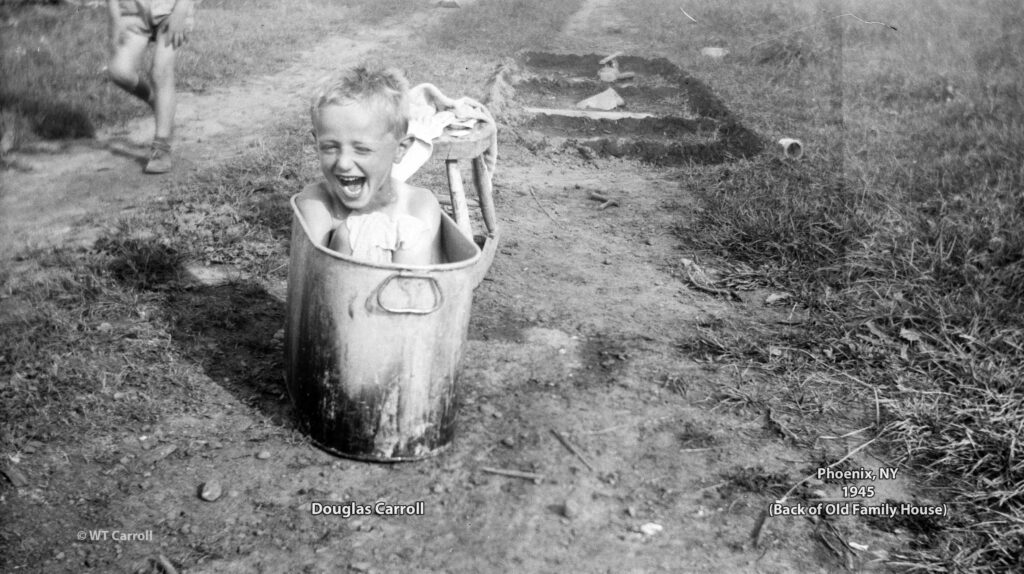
175,32
116,27
117,31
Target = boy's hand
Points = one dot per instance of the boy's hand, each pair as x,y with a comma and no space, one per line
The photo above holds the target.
175,32
116,33
116,27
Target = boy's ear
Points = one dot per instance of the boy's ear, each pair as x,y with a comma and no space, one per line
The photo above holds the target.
403,146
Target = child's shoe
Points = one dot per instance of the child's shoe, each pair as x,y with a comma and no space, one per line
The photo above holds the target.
159,157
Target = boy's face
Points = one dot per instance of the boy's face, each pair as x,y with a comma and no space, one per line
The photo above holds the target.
356,152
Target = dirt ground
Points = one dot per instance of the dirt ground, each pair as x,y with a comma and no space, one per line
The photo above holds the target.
575,330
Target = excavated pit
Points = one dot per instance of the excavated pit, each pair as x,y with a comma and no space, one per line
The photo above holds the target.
669,117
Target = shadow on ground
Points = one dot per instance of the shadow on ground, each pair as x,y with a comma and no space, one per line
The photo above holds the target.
230,329
49,119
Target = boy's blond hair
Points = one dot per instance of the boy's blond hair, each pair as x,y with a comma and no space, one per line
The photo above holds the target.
386,89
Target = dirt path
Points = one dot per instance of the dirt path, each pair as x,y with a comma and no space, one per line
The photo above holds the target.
68,194
576,330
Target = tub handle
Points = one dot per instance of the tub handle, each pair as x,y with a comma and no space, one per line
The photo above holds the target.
438,296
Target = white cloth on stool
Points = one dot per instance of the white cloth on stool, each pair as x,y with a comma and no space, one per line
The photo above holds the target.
430,114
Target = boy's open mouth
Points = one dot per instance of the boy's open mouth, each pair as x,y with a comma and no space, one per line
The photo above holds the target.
352,186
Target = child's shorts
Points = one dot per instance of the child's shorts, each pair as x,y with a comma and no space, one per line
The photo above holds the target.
144,17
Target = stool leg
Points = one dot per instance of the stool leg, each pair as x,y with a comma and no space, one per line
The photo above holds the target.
482,180
459,206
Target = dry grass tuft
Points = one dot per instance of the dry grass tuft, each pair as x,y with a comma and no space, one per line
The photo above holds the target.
902,233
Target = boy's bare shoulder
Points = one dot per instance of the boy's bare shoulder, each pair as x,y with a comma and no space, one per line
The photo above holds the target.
314,204
422,202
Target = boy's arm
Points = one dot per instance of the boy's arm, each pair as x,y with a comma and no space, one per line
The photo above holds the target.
316,213
174,26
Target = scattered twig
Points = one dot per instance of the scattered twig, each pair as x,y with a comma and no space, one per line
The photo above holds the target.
611,429
687,15
755,533
847,435
863,21
711,487
568,445
878,409
536,478
540,205
166,565
843,552
608,202
824,539
707,288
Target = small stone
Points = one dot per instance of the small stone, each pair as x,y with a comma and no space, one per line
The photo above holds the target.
59,556
490,411
776,298
437,488
16,477
360,566
105,327
571,509
587,152
714,52
210,490
651,528
161,453
509,442
263,454
606,100
576,503
631,511
119,396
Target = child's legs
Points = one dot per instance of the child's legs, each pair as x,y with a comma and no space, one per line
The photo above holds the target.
123,67
163,84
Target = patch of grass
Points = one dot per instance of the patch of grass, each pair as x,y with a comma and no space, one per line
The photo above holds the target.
53,57
500,28
800,216
76,354
753,479
901,232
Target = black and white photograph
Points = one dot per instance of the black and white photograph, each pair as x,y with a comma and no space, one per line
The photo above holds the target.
523,286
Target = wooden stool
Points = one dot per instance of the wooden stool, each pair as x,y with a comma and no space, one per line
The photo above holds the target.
468,147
